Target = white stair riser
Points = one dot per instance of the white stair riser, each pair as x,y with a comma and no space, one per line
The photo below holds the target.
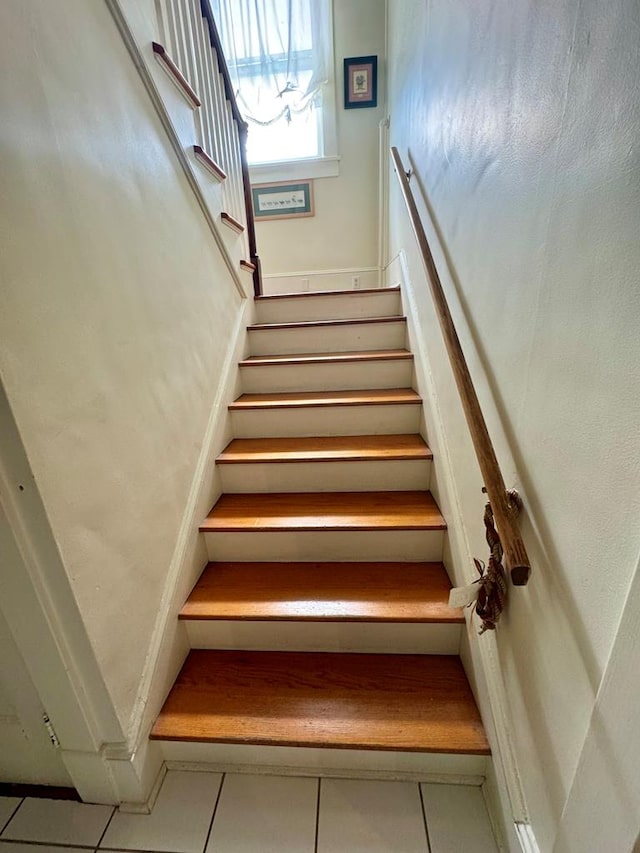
396,638
396,373
362,476
366,336
326,545
353,763
326,420
344,306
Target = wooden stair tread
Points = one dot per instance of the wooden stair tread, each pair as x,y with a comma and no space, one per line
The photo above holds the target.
311,293
417,703
302,399
334,448
306,324
324,511
323,592
327,357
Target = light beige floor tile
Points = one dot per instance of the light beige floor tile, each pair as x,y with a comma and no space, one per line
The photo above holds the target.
457,819
265,814
179,821
19,847
370,817
8,805
58,822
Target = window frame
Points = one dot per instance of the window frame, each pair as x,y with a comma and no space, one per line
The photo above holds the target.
326,164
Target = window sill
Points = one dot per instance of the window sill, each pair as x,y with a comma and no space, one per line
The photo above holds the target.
289,170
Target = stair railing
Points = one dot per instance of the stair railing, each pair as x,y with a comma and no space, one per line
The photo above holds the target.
193,47
505,507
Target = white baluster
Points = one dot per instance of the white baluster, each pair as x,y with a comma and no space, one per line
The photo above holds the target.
226,147
176,46
237,169
189,69
202,85
210,66
162,23
203,51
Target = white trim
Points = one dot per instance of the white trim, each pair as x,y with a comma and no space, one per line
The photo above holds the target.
319,761
134,772
330,98
319,273
383,198
493,805
527,839
469,779
140,60
485,650
147,806
295,170
314,280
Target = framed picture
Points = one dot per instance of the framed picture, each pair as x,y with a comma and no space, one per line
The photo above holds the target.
360,82
282,201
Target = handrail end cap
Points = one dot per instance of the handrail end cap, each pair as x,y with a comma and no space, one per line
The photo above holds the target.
520,575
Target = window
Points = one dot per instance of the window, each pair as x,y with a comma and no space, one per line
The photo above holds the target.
280,59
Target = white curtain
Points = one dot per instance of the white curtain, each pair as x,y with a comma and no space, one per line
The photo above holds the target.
277,52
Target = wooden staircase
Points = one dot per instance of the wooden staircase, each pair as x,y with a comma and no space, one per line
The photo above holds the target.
322,622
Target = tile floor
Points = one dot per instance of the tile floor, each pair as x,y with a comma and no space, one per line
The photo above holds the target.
233,813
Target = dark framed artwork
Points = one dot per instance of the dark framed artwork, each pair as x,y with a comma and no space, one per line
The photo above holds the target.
283,200
360,82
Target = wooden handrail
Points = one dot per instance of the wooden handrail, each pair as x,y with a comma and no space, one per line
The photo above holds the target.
504,510
216,43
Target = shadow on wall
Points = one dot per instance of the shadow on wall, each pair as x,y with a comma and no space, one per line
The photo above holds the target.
547,600
535,526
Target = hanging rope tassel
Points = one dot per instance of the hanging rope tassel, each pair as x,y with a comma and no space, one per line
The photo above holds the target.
492,596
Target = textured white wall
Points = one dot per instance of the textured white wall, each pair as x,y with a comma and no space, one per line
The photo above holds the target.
26,753
521,121
343,232
117,314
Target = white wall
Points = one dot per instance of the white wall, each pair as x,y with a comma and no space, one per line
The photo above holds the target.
26,753
343,232
118,319
520,121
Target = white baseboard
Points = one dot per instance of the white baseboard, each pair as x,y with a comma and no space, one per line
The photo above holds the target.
475,780
147,807
322,761
526,838
393,273
504,830
313,280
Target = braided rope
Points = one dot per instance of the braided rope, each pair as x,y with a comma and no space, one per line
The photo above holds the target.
493,584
